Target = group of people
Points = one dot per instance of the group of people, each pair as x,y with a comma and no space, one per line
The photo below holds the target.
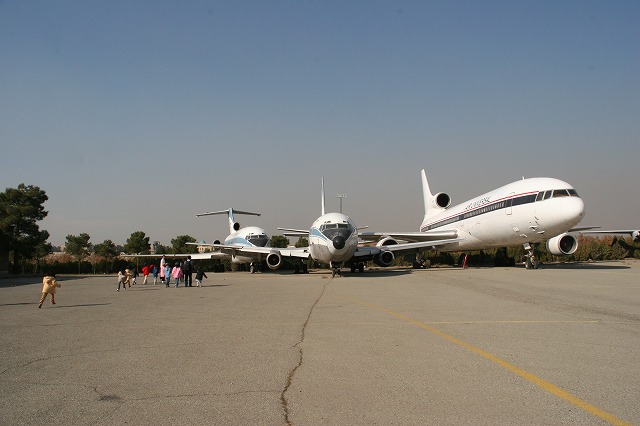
127,277
179,272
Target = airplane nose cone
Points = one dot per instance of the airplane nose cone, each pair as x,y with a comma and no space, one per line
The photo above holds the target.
339,242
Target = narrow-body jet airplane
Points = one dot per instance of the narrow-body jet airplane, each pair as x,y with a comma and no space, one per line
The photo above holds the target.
524,212
333,239
242,245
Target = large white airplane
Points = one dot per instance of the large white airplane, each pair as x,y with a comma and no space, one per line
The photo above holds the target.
333,239
242,245
524,212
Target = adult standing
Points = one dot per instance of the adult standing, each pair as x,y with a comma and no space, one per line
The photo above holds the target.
163,264
187,271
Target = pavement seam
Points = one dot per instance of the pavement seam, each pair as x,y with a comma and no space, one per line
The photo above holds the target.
283,397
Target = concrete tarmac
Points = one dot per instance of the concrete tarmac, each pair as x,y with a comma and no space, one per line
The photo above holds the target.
488,346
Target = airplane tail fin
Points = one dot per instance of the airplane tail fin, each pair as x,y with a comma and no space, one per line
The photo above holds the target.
433,204
322,196
233,225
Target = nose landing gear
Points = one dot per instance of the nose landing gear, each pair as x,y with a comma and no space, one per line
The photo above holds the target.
531,261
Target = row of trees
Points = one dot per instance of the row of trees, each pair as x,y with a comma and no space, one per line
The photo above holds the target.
22,207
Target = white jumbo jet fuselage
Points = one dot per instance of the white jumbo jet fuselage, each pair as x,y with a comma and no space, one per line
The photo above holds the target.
526,211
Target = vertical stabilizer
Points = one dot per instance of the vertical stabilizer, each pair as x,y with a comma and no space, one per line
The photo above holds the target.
322,196
433,203
427,196
232,221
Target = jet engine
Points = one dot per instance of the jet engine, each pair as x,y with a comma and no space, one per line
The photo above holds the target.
386,241
635,235
441,200
274,260
562,245
385,258
236,226
216,242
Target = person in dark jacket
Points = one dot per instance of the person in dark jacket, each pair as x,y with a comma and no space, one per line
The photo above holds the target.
199,276
187,271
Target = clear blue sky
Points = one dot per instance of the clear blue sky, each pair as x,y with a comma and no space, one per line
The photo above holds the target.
136,115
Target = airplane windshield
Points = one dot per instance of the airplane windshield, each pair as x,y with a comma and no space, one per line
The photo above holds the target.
544,195
259,240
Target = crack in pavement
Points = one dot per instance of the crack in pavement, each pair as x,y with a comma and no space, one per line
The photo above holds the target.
283,397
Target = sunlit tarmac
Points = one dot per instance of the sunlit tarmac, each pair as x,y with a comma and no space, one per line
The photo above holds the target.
388,346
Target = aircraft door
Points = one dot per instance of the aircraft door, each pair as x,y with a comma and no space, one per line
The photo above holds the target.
509,204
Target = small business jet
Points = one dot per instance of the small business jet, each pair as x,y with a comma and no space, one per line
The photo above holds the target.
333,239
243,245
524,212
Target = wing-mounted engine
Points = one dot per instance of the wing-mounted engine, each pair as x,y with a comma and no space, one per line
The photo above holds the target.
274,260
216,242
562,245
636,236
385,258
441,200
386,241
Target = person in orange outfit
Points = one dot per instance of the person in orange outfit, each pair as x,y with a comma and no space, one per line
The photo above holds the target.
49,285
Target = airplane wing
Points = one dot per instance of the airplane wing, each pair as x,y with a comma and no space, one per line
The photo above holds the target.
288,232
434,235
194,256
635,233
363,252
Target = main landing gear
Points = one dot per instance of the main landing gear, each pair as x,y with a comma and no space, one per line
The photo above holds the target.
357,266
531,261
255,267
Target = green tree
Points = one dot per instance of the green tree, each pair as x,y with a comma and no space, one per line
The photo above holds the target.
137,243
78,246
20,209
108,250
179,244
279,241
302,242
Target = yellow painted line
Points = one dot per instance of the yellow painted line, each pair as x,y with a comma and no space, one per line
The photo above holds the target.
547,386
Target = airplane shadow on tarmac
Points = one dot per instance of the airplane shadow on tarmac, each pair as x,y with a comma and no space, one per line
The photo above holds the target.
584,266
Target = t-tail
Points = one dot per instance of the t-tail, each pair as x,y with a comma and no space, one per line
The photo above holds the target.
233,225
433,204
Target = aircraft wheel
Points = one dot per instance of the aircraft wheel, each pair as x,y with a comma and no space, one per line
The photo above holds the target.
361,267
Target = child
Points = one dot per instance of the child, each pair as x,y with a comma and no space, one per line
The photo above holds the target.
49,285
154,271
167,274
199,274
176,273
128,275
122,279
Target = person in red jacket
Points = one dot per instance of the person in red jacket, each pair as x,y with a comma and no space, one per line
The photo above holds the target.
145,272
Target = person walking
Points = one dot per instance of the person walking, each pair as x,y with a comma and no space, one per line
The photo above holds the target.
122,279
49,285
167,274
187,271
163,263
129,275
154,271
199,274
145,274
176,273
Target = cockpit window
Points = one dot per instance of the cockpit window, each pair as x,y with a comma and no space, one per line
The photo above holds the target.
573,193
540,195
560,193
547,195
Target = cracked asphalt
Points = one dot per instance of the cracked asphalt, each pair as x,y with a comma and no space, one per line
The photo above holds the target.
382,347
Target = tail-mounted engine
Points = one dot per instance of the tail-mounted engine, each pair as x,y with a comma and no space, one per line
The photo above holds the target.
385,258
236,226
562,245
274,260
441,200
